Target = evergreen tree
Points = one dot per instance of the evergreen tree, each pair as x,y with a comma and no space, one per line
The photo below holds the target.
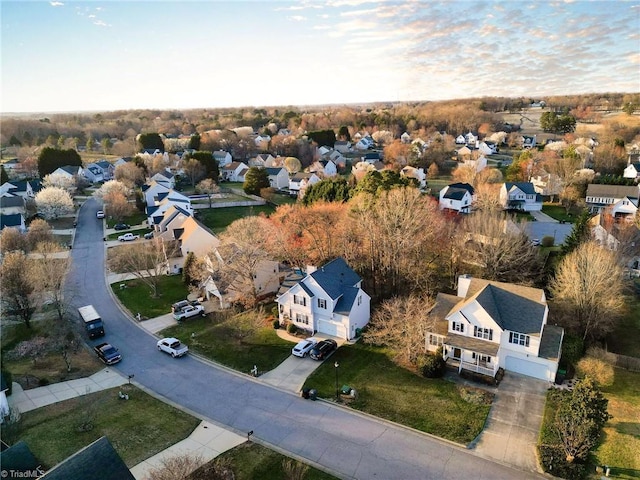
255,180
151,141
579,234
3,175
194,142
327,190
51,158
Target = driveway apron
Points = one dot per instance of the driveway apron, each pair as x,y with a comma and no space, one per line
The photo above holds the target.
513,425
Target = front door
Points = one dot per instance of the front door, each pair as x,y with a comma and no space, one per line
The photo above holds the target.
456,353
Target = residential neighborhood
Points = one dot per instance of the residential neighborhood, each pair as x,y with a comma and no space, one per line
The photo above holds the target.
427,279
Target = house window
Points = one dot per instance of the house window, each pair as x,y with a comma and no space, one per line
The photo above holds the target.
301,318
486,333
322,303
281,308
360,300
519,339
458,327
435,340
482,358
300,300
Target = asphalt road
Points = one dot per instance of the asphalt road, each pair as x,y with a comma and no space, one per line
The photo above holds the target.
343,442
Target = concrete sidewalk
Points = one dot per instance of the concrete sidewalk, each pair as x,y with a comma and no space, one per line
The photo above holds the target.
27,400
207,441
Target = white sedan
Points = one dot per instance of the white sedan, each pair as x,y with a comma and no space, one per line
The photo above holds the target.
303,347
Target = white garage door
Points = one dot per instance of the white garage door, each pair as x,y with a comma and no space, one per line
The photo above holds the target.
330,328
519,365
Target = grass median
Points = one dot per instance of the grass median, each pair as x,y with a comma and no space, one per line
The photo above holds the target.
388,391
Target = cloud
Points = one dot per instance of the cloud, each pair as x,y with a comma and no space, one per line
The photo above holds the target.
297,18
100,23
56,4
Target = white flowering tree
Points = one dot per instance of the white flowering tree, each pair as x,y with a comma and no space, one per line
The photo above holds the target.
53,202
111,187
59,180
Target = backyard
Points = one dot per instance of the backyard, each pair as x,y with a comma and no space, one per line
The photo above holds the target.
217,219
388,391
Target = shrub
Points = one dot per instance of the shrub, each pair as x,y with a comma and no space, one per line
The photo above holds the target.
274,311
291,328
597,370
572,350
547,241
553,461
433,365
276,324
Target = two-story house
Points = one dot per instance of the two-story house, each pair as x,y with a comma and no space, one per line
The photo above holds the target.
300,181
520,196
234,172
490,325
600,197
328,300
278,177
457,197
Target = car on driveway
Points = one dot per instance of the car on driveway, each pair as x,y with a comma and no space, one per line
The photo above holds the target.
188,312
303,347
323,349
128,237
148,235
107,353
176,307
172,346
100,214
121,226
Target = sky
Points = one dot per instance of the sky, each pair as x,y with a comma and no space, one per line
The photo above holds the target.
60,55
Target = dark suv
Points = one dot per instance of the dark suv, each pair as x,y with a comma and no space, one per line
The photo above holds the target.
323,349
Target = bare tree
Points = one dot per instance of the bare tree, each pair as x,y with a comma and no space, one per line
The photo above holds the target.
49,272
193,170
11,239
146,261
588,288
130,174
498,248
243,252
52,202
39,232
402,324
208,186
117,205
16,286
487,197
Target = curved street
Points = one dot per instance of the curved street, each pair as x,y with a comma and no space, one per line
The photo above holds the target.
341,441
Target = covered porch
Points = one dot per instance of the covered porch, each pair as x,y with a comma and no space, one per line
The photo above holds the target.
473,354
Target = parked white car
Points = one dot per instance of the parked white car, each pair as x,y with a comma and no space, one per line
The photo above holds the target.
128,237
303,347
100,214
188,312
172,346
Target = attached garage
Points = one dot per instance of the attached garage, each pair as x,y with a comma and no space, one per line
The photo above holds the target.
526,367
331,328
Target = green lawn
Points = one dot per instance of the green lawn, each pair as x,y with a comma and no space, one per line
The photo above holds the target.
283,199
233,340
217,219
438,183
137,296
250,461
137,428
137,231
389,391
558,212
620,444
625,338
135,219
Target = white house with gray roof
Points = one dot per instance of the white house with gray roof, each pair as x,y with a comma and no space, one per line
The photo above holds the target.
457,197
490,325
328,300
278,177
520,196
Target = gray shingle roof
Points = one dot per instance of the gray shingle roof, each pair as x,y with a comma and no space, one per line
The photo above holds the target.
18,458
6,202
97,460
273,170
13,220
335,276
551,342
526,187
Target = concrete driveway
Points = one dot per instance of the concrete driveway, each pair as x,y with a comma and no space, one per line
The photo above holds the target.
513,425
291,374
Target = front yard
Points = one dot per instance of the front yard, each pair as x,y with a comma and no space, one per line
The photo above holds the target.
136,219
388,391
137,428
557,211
238,341
136,296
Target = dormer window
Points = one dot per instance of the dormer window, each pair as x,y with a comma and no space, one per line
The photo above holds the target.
457,327
300,300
